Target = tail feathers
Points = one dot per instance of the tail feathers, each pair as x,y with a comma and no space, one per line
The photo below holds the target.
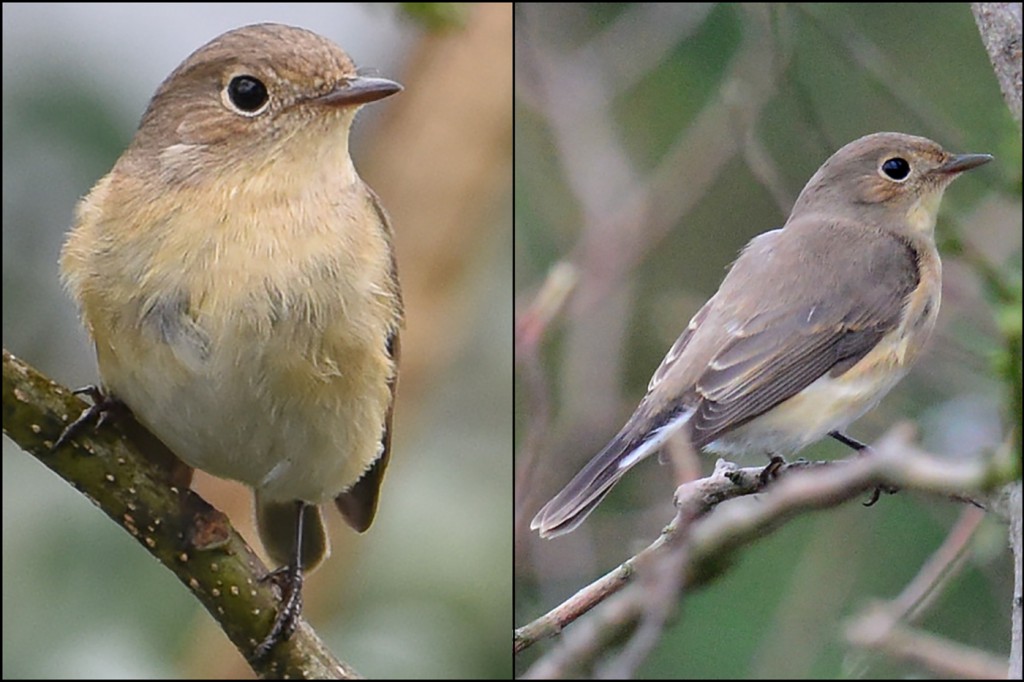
641,436
570,507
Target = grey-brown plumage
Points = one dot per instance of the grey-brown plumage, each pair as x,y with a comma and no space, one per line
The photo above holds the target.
812,325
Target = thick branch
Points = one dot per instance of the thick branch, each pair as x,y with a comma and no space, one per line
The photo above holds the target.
180,529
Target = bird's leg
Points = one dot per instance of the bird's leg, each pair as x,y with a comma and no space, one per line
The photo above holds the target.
103,406
860,448
289,579
848,441
771,470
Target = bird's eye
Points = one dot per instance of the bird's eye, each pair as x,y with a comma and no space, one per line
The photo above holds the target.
896,168
247,94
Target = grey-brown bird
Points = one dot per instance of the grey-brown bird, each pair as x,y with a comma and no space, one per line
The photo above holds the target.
813,324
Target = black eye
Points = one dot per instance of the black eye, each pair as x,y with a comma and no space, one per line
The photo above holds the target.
247,93
896,168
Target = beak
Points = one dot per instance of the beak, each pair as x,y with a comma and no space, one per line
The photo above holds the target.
962,162
360,90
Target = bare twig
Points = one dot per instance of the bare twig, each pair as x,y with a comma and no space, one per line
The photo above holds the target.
712,537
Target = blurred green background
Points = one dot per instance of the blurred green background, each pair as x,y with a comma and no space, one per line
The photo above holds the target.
426,593
652,142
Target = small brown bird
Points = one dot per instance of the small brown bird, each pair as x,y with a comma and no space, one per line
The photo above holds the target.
238,280
813,324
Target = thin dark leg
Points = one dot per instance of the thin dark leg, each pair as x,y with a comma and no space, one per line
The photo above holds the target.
289,579
861,447
848,441
771,470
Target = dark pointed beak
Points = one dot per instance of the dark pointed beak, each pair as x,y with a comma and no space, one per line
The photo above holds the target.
360,90
962,162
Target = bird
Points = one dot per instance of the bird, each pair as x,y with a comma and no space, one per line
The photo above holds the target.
812,325
238,280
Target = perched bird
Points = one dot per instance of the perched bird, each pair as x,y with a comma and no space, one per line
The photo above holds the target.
812,325
238,280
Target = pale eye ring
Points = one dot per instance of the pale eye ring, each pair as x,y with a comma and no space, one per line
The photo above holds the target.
895,168
246,95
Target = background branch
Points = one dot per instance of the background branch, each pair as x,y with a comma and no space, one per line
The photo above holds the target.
999,24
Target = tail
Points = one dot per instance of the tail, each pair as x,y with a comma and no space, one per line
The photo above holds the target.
584,492
570,507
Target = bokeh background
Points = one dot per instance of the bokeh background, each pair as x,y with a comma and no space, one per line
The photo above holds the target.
426,592
652,142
